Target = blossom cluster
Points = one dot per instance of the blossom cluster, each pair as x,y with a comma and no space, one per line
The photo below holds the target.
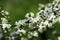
30,26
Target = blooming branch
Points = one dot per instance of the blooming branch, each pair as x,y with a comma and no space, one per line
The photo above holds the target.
33,24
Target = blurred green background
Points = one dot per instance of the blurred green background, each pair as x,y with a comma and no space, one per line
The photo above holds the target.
18,8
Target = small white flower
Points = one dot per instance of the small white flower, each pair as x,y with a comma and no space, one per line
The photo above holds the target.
18,30
49,24
58,38
22,22
55,20
35,19
6,26
13,38
20,34
40,6
29,36
32,14
46,22
22,30
35,34
55,9
22,38
38,14
4,20
2,10
29,15
5,31
6,13
40,30
52,16
16,23
48,9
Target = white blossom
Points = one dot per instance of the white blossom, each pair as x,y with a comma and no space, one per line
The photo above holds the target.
29,15
46,23
49,24
58,38
35,34
22,30
6,26
13,38
4,12
4,20
23,38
